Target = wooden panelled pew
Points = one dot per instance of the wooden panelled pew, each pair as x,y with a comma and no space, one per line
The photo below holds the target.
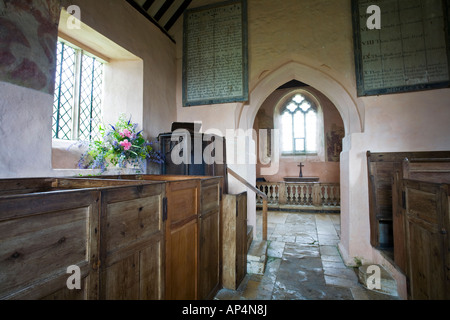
193,244
421,224
112,230
133,237
408,191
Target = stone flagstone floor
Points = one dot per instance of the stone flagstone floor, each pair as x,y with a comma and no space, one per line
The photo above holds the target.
303,263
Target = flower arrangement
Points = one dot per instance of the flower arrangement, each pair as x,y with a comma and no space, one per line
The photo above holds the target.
121,145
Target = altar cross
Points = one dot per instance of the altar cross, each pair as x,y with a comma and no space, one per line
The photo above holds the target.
301,165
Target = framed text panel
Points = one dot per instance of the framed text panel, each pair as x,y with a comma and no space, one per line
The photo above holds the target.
410,50
215,54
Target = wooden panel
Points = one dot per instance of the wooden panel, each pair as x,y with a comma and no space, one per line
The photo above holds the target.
40,242
209,255
234,229
181,263
184,204
182,240
121,280
427,170
132,242
427,243
210,197
132,221
398,221
152,271
210,238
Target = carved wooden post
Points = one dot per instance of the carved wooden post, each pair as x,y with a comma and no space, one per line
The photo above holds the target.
282,193
317,197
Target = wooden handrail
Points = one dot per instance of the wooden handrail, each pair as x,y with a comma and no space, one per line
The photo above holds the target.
247,184
259,193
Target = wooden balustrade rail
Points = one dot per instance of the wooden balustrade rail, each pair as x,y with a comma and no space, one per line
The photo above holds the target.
259,193
301,194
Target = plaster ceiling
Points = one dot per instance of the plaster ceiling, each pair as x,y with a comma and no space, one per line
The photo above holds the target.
163,13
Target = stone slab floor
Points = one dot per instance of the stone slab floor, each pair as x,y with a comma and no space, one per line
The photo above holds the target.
303,263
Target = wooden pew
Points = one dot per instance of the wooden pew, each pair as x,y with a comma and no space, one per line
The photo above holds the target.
421,222
111,230
382,168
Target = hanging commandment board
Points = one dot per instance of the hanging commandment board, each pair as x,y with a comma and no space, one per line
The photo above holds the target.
408,52
215,54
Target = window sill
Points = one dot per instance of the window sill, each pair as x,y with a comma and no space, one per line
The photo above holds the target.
66,153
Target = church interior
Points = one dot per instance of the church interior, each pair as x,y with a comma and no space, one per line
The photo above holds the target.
312,113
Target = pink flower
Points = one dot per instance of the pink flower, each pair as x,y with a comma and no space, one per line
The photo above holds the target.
126,144
125,133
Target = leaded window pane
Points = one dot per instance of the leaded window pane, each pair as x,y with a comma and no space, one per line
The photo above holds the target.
299,126
78,94
90,97
311,129
286,123
64,93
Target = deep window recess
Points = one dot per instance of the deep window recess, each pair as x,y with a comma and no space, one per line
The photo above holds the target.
78,94
299,126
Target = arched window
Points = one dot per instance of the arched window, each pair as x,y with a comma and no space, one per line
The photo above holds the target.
299,126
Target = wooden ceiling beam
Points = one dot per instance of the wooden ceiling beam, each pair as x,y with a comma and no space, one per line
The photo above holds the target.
177,14
163,9
147,4
149,17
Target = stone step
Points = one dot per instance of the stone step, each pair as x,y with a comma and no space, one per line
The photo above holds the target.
249,237
387,286
257,257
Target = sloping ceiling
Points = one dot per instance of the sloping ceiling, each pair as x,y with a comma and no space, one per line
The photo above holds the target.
163,13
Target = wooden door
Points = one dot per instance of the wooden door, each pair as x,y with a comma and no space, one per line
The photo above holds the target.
426,207
132,243
210,238
182,239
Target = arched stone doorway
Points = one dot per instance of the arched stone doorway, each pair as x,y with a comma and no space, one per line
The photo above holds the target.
352,115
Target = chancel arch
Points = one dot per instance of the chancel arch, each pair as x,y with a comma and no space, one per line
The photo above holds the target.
352,116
